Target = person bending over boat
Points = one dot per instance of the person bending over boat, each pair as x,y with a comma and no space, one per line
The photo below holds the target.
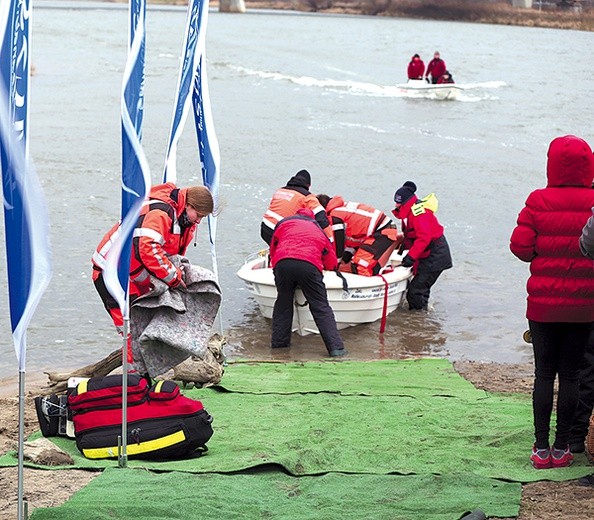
299,252
287,200
165,228
436,68
428,250
445,78
364,237
416,68
560,305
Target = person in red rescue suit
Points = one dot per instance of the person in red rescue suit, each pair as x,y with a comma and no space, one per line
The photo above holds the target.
287,200
428,250
299,252
362,226
416,68
165,227
445,78
560,305
436,68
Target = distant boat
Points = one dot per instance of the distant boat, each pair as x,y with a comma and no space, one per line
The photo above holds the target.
363,302
423,89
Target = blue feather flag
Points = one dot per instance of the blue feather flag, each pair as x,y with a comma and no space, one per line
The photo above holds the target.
192,92
25,214
136,179
185,84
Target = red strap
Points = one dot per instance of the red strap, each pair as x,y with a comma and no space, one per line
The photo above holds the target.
385,309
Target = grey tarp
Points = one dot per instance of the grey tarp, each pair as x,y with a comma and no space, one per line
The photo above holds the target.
170,325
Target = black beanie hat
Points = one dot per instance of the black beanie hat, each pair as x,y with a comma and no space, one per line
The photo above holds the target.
405,192
304,174
302,178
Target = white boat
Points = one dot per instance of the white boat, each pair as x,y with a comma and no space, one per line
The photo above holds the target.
421,88
362,302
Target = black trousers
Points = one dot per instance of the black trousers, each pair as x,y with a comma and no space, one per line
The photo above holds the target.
581,419
419,289
558,351
288,275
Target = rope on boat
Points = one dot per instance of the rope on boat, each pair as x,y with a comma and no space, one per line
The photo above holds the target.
385,307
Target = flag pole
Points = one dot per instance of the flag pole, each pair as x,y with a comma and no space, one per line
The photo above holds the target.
21,444
123,455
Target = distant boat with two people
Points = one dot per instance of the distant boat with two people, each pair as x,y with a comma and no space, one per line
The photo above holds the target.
433,82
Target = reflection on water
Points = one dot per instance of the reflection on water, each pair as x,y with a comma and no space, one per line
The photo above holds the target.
407,334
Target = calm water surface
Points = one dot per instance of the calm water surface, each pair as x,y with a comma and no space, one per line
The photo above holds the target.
298,91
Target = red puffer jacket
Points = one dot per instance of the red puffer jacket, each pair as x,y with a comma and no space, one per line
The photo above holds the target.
561,283
300,237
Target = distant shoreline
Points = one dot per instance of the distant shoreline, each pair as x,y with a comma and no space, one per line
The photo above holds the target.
499,13
495,13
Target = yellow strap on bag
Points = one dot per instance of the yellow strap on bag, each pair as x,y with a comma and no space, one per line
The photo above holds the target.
82,387
138,448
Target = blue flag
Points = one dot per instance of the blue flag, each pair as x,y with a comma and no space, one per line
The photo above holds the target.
192,91
25,213
136,179
208,144
185,84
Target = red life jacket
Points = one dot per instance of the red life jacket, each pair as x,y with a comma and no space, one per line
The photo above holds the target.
157,236
374,253
287,201
361,221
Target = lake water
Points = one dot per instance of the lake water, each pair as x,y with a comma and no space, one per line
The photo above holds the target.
292,91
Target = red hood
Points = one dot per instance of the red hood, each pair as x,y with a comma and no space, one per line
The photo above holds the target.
163,192
306,212
570,162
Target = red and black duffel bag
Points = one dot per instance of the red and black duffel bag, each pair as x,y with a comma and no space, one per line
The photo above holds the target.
162,423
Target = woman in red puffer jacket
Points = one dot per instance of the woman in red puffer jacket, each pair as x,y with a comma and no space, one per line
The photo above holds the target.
560,308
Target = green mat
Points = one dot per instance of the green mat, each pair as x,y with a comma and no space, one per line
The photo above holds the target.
416,431
416,377
135,494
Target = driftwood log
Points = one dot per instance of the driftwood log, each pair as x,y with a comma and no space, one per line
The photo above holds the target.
201,372
58,381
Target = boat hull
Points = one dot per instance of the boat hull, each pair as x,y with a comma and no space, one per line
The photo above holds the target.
362,303
443,91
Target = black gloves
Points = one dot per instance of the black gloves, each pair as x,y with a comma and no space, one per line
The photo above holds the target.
347,256
408,261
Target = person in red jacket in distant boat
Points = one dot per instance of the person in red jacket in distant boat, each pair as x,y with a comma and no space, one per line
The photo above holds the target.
436,68
560,308
299,252
445,78
416,68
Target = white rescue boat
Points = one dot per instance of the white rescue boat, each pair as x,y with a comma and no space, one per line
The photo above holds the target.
364,300
442,91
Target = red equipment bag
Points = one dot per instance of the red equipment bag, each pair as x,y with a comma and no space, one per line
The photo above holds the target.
99,393
162,423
